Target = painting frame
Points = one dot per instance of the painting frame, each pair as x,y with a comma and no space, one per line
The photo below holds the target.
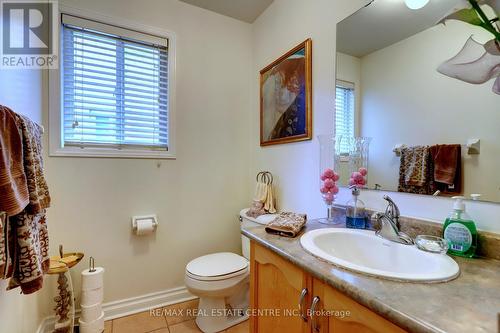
307,135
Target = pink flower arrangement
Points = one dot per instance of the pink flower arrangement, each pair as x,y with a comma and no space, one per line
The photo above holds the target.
329,186
359,177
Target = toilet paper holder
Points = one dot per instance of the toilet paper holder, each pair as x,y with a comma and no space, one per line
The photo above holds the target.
92,265
151,218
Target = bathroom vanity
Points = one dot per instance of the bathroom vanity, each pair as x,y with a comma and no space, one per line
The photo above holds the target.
278,285
293,291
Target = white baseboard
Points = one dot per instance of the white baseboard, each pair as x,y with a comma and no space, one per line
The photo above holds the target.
130,306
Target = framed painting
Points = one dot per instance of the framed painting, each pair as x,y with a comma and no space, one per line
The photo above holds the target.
285,97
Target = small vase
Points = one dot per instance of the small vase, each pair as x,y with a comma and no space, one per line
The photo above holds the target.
358,161
328,176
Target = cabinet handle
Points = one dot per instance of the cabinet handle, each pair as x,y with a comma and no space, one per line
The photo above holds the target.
301,304
315,325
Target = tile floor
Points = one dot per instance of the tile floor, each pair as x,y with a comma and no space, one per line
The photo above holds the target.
145,322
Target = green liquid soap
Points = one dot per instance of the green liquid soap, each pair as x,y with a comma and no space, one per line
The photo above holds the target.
460,231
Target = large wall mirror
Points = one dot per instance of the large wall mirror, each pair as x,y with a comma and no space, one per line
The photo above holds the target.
430,133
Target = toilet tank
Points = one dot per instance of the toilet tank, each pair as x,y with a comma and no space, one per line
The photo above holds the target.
250,221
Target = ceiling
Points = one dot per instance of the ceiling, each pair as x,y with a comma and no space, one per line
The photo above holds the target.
244,10
385,22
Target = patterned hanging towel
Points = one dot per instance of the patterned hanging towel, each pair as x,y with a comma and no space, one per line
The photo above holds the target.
417,161
31,252
28,236
39,197
13,187
415,170
3,244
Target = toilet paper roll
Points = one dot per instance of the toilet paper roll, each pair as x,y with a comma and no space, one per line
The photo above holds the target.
92,280
145,227
91,313
96,326
92,297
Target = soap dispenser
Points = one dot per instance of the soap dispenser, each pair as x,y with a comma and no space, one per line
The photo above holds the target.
460,231
355,213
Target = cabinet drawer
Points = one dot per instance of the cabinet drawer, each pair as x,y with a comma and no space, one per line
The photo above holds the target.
344,315
276,286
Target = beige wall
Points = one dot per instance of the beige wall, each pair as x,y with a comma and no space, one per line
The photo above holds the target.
283,25
197,197
405,100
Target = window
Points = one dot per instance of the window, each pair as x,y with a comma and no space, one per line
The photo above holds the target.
344,113
114,90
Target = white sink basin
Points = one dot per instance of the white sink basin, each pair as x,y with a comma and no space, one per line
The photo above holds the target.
362,251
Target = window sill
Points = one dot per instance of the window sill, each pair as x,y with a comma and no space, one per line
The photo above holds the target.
111,153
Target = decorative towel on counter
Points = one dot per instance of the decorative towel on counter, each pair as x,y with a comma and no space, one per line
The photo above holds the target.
3,244
13,185
415,170
287,224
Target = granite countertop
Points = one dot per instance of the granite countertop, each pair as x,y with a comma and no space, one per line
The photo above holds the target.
470,303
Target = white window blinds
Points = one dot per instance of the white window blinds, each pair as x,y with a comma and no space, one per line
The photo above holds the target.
115,87
344,113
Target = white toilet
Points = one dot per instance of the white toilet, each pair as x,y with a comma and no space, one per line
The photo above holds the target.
221,281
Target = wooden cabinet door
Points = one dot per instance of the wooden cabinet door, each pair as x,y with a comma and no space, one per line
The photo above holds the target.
275,289
338,313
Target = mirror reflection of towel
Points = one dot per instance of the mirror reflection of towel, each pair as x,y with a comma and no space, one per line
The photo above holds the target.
425,170
446,163
415,170
417,163
447,160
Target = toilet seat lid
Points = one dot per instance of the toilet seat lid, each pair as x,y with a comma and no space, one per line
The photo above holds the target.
217,264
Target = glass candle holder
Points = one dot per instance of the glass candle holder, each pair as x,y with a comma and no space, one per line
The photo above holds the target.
328,176
358,161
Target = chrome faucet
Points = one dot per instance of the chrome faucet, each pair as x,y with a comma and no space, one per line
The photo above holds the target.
389,224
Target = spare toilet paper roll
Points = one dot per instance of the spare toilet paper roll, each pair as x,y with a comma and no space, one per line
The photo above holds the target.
96,326
91,297
92,280
145,227
91,313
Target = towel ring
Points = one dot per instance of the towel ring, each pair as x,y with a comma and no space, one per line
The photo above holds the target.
265,177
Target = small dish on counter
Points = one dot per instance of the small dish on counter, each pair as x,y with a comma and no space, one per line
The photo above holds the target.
431,244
